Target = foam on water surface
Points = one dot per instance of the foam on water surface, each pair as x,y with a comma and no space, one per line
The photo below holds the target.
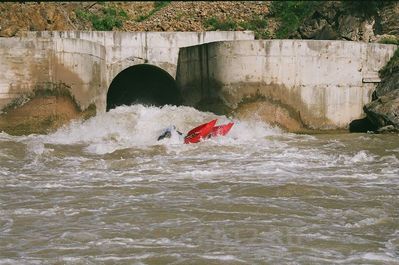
105,190
140,126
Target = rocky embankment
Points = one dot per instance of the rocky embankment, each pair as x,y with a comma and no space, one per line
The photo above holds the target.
133,16
383,111
335,20
376,21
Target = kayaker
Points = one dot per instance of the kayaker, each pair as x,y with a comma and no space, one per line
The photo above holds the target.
167,133
203,131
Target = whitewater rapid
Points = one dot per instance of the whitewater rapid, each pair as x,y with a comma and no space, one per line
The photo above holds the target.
105,191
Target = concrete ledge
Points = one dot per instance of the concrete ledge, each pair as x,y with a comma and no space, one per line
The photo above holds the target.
371,80
318,82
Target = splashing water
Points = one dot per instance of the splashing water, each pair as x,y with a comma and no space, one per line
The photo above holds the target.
140,126
105,191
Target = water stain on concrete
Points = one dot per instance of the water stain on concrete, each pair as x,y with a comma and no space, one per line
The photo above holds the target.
48,108
273,103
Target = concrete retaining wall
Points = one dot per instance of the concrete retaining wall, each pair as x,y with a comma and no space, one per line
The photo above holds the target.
23,64
124,49
81,65
324,84
88,61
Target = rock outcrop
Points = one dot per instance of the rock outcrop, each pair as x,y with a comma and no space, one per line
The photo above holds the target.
335,20
332,20
384,112
387,85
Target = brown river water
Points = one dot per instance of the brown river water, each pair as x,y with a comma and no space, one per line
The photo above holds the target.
105,191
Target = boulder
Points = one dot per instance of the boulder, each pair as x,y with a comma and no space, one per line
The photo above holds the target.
389,19
349,27
321,24
333,20
388,129
384,111
327,33
387,85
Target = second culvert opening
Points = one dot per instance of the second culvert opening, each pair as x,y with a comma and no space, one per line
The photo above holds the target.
145,84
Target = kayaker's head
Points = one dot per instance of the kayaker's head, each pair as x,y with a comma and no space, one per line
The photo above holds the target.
166,134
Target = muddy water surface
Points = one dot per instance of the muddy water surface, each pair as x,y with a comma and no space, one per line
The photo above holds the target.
106,192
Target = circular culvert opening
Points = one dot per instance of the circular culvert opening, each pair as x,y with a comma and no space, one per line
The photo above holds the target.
143,84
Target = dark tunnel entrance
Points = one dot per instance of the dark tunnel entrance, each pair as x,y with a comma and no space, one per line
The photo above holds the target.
143,83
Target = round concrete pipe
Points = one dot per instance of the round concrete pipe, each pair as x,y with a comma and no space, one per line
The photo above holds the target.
145,84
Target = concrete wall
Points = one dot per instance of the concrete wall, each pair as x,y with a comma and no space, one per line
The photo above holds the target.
326,83
27,63
124,49
23,64
88,61
81,65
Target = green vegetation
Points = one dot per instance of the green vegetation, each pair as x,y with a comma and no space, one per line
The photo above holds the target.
390,40
364,8
257,24
108,19
89,112
224,25
292,14
391,66
158,5
15,103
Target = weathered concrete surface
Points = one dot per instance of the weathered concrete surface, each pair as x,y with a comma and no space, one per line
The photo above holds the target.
320,84
26,63
158,48
44,110
297,84
87,62
22,64
45,115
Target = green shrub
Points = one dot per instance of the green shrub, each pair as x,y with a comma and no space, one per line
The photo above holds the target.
391,66
389,40
158,5
83,14
259,25
364,8
215,24
108,18
211,23
292,14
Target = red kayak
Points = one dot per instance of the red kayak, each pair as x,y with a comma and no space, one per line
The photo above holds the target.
221,129
207,130
200,132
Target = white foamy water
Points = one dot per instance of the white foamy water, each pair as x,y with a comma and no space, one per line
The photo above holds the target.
105,191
